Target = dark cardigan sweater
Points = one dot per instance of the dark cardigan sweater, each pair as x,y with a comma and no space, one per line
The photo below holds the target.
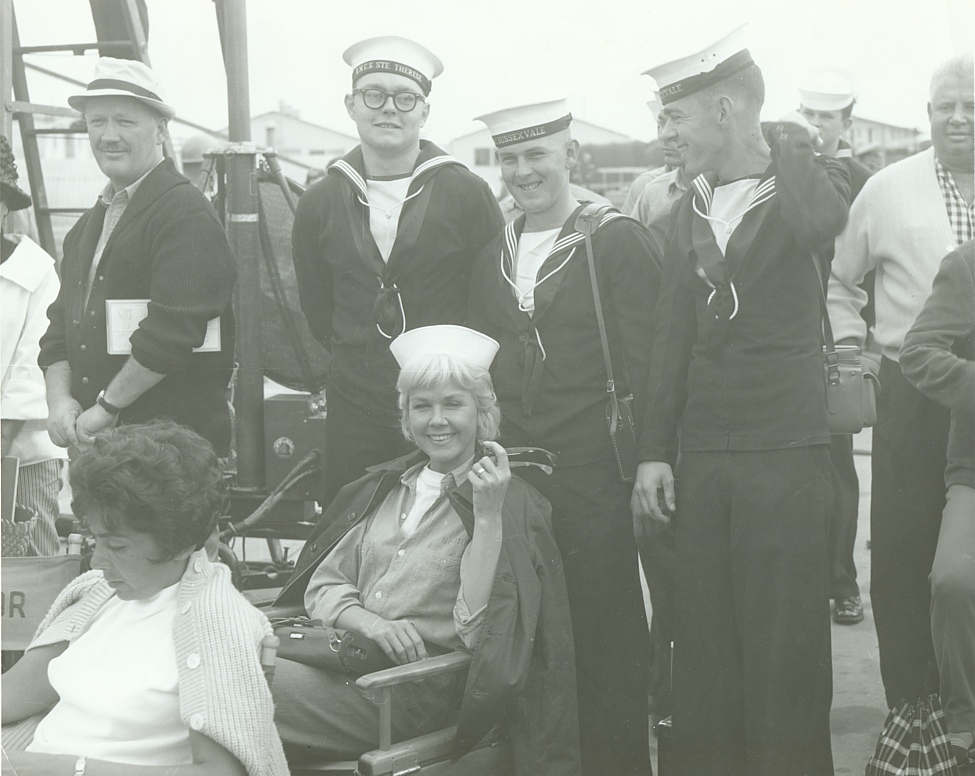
170,248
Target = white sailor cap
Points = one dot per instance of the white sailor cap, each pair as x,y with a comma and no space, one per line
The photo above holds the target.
826,89
526,122
392,54
684,76
444,339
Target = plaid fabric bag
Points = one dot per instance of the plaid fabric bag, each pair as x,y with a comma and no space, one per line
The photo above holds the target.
914,742
16,533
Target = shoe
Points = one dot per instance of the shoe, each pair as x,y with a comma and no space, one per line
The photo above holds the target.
848,611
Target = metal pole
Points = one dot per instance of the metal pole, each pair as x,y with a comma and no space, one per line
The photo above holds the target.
242,224
6,67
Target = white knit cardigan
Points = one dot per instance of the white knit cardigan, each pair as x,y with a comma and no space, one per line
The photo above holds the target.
217,634
898,225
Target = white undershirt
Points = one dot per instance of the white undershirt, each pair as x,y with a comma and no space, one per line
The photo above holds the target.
118,688
533,249
386,200
428,486
729,203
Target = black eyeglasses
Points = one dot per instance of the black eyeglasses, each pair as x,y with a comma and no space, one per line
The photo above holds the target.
376,99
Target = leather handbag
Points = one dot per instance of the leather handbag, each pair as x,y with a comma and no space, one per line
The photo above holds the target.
619,410
851,389
308,641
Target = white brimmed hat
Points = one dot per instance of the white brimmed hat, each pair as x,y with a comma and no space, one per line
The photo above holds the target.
682,77
392,54
527,122
124,78
444,339
826,89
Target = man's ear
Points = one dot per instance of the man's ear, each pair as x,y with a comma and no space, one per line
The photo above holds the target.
349,104
571,153
929,111
725,107
426,113
162,131
847,123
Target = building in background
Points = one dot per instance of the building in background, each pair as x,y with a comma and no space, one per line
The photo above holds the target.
297,140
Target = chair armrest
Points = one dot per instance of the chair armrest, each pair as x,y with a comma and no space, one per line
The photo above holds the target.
411,672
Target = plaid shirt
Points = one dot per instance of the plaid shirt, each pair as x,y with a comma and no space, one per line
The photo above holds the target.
961,215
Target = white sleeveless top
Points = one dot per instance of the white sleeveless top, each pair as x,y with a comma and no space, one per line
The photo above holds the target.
118,688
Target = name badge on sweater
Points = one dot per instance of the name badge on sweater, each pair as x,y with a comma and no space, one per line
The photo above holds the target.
122,317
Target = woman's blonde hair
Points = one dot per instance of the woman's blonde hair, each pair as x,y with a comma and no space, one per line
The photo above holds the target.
435,371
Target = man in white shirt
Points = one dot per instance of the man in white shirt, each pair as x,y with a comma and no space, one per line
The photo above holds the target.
906,218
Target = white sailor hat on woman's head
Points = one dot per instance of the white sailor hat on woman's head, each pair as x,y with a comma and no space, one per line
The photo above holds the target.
393,54
682,77
527,122
444,339
826,89
124,78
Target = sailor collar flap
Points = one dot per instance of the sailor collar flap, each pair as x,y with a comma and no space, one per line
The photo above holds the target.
352,167
550,274
550,277
697,244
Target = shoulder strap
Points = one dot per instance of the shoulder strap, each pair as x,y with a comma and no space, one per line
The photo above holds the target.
832,360
587,222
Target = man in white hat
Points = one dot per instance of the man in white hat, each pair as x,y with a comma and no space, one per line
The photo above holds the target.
826,100
153,249
738,374
384,244
531,291
907,218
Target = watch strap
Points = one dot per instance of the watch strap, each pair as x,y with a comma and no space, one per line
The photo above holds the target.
106,405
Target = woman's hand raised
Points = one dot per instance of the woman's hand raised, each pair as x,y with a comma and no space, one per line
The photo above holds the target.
490,477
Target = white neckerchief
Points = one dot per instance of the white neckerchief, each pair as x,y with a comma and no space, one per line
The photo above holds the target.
385,202
533,249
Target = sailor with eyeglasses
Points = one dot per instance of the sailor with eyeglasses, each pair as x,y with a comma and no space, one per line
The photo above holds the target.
384,243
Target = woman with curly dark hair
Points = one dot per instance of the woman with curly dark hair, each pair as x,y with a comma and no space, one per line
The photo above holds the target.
152,659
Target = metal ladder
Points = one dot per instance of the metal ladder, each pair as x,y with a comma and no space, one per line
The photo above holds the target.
121,31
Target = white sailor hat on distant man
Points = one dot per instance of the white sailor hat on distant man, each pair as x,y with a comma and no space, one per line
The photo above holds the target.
444,339
527,122
687,75
826,89
124,78
393,54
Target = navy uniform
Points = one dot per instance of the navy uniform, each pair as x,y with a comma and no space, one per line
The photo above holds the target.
357,294
738,373
550,379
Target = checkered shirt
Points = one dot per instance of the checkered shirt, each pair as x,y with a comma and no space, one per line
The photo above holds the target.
961,215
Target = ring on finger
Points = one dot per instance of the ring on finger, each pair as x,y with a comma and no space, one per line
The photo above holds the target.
479,470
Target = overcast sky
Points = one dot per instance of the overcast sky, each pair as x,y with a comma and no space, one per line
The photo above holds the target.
507,52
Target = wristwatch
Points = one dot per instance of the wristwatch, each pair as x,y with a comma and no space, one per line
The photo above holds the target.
80,763
106,405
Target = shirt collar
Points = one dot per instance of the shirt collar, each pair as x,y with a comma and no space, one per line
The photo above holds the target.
109,192
450,481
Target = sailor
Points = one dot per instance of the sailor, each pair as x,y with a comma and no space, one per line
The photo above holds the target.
531,290
384,244
738,372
